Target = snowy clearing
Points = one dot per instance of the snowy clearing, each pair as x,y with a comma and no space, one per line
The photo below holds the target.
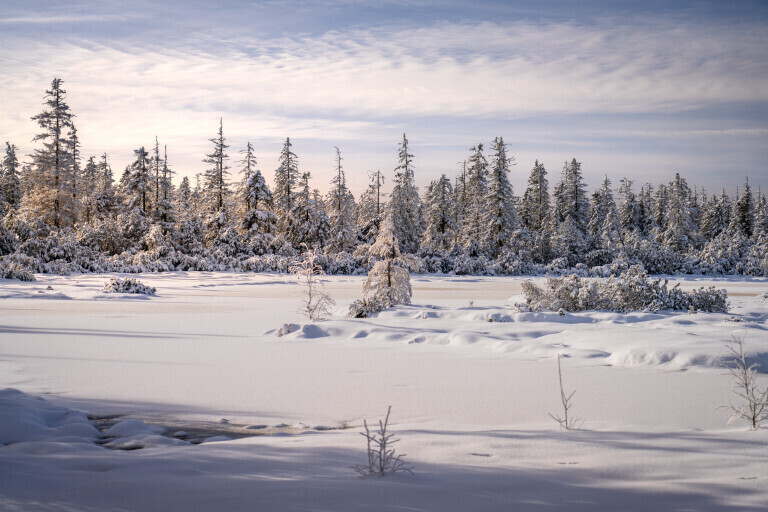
470,381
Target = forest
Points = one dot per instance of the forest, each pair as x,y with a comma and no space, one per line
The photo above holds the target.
64,212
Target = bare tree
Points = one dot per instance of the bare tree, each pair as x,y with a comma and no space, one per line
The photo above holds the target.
567,421
754,402
381,456
317,303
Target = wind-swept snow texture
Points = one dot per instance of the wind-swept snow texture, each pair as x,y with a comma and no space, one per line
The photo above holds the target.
470,381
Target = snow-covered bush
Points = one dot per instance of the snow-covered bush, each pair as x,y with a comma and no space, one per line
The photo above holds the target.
12,270
127,285
363,308
631,291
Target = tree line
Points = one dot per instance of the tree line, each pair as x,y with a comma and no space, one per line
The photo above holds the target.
61,207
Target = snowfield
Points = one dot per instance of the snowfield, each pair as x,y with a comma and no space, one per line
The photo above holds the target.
226,357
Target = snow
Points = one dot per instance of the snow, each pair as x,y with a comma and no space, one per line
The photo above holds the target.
470,386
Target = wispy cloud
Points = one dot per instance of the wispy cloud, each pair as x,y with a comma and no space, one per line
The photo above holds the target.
364,84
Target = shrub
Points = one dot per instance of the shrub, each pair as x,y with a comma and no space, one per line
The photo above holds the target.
12,270
127,285
631,291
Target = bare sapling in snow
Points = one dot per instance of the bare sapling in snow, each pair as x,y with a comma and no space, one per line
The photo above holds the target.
753,406
567,421
382,458
317,304
127,285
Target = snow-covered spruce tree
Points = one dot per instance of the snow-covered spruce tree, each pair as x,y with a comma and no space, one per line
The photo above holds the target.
659,211
286,177
388,282
259,221
370,209
716,216
501,220
51,195
761,218
215,178
165,208
629,207
474,236
10,179
405,204
535,213
439,211
743,211
138,181
646,221
218,218
74,145
340,208
604,224
681,233
89,181
570,196
461,202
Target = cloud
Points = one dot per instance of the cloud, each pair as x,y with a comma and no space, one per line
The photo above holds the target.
367,84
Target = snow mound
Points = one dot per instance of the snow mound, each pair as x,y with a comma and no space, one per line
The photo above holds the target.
25,418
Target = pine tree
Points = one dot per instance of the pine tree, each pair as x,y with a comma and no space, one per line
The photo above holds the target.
301,225
761,218
106,200
743,211
89,180
535,205
216,186
138,180
52,195
165,208
571,211
259,221
629,211
571,197
461,202
286,177
604,224
501,220
405,204
474,229
369,211
716,217
10,179
388,281
341,212
535,212
680,233
439,211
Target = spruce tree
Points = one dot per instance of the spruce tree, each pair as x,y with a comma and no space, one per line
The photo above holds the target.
743,211
474,233
139,180
680,232
286,177
369,211
501,220
216,186
10,179
439,211
52,194
405,204
340,206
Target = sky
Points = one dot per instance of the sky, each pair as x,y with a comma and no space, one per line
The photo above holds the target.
640,90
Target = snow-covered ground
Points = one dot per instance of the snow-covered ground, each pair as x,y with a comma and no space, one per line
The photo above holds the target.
470,381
